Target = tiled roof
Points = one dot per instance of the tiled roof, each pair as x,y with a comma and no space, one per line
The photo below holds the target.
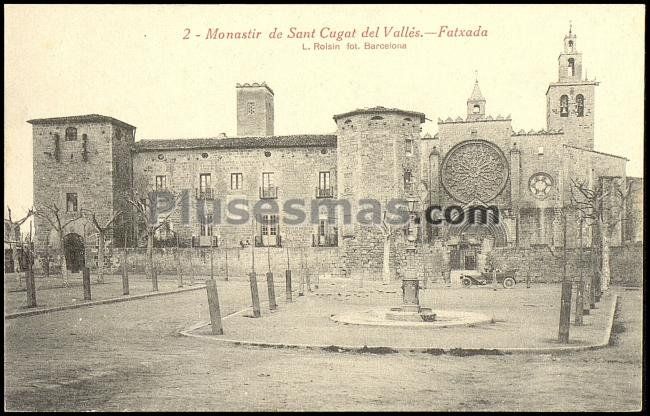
303,140
88,118
380,109
595,151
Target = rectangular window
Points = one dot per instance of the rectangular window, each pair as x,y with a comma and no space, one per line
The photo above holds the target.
71,202
250,108
324,180
204,182
408,143
236,181
267,180
161,182
408,181
540,150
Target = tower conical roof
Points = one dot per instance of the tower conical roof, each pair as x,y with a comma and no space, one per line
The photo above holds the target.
476,93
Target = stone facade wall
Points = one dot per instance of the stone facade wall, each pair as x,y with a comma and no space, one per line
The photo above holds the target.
542,266
295,173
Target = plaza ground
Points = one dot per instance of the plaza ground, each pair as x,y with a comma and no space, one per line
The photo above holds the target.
130,356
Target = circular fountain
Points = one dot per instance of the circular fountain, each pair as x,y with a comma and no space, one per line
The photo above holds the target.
410,313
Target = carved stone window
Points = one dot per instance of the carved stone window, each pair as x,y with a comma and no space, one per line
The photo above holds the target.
474,170
540,185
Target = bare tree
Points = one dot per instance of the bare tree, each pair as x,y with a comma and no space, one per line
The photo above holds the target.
148,205
601,207
14,228
102,230
52,214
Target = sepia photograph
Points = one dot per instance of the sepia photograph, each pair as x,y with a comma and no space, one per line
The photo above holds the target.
297,208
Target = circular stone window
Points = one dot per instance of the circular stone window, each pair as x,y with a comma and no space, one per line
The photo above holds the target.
267,154
474,170
161,156
540,185
204,155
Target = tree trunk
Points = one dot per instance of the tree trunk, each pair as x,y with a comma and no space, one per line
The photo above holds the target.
16,260
100,258
386,265
152,273
64,261
605,273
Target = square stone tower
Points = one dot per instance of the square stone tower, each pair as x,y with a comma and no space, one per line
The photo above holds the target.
254,110
82,163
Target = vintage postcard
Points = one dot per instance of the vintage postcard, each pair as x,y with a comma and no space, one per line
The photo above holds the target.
323,207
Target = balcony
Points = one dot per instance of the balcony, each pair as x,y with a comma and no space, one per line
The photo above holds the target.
268,241
268,192
328,240
324,192
204,193
205,241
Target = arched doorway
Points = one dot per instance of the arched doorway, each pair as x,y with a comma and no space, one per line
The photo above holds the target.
468,241
73,246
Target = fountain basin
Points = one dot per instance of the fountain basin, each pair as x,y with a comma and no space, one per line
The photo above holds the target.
395,317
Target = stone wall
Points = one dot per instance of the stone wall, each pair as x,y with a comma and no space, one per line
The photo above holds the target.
543,267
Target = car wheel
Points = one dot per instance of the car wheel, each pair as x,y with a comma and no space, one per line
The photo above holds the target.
467,282
509,282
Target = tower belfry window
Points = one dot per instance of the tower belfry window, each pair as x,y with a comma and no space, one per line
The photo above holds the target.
476,109
571,69
564,106
580,104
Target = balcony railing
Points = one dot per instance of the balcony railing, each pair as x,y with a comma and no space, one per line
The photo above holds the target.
268,241
268,192
205,241
324,192
328,240
204,193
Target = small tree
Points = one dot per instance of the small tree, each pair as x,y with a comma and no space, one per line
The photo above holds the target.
14,230
601,207
52,214
148,205
102,230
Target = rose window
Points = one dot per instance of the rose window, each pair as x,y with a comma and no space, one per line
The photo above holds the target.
474,170
540,184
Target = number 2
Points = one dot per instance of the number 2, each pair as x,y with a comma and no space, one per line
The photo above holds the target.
187,33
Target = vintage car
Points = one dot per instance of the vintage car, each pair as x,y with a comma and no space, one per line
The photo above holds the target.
505,277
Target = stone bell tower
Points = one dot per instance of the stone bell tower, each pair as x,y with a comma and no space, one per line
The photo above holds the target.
570,102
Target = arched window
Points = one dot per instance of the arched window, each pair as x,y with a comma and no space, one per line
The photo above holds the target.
571,68
580,102
376,118
476,109
570,44
70,134
564,106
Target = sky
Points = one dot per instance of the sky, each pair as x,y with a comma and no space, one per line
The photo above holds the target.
132,63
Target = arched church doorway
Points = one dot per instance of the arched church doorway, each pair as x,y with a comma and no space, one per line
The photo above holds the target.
73,246
470,240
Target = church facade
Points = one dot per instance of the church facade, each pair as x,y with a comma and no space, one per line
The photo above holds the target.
91,163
